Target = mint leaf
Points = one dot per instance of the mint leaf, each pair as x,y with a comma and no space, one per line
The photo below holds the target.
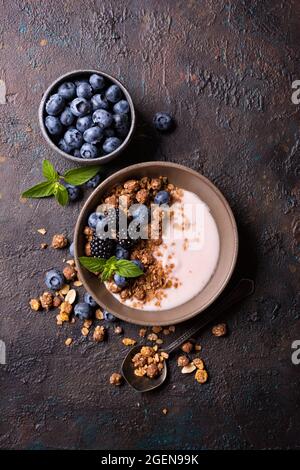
127,268
93,264
81,175
44,189
61,194
49,171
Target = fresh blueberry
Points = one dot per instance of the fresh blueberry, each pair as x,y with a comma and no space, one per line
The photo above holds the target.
76,153
97,81
53,125
54,279
103,118
111,144
140,213
84,90
121,253
62,145
121,107
113,93
99,102
138,263
67,117
73,138
120,280
83,123
55,104
94,218
93,182
83,310
88,299
121,124
67,90
80,107
73,191
162,197
93,135
109,132
108,316
163,121
71,249
89,151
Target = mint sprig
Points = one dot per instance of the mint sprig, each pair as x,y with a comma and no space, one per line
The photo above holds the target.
111,266
53,187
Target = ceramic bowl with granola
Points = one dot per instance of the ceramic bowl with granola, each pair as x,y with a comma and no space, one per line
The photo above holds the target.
155,243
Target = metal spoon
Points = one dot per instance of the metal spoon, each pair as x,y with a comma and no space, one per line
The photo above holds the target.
244,288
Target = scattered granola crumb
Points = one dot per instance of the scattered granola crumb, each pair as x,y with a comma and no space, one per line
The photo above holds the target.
159,341
118,330
198,347
57,301
46,300
187,347
142,332
198,363
128,341
68,341
64,290
70,273
99,314
59,241
219,330
156,329
99,334
42,231
152,337
201,376
183,361
44,246
84,331
166,331
35,304
165,411
66,307
71,262
87,323
77,283
115,379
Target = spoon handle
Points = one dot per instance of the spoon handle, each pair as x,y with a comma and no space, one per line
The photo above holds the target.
244,288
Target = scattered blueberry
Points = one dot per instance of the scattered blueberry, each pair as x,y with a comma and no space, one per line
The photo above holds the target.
80,107
53,125
93,135
138,263
163,121
83,123
121,107
120,280
162,197
67,117
88,151
73,191
62,145
113,93
54,279
73,138
111,144
97,81
121,253
88,299
99,102
55,104
71,249
93,182
84,90
108,316
67,90
83,310
94,218
102,117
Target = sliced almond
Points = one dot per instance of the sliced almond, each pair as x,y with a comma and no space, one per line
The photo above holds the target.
71,296
77,283
42,231
71,262
64,290
188,369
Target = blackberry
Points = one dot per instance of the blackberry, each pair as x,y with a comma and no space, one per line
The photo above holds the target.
124,240
102,248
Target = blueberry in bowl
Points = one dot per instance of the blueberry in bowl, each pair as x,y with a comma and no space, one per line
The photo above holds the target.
87,116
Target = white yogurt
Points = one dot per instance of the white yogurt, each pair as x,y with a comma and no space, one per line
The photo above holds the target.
191,253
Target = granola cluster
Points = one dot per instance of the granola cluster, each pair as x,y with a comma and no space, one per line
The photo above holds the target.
149,362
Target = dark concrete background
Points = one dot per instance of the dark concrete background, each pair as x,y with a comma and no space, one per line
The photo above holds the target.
224,69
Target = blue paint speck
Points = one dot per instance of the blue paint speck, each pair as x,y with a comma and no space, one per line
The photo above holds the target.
22,28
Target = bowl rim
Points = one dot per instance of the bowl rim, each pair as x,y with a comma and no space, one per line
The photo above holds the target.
92,161
122,173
